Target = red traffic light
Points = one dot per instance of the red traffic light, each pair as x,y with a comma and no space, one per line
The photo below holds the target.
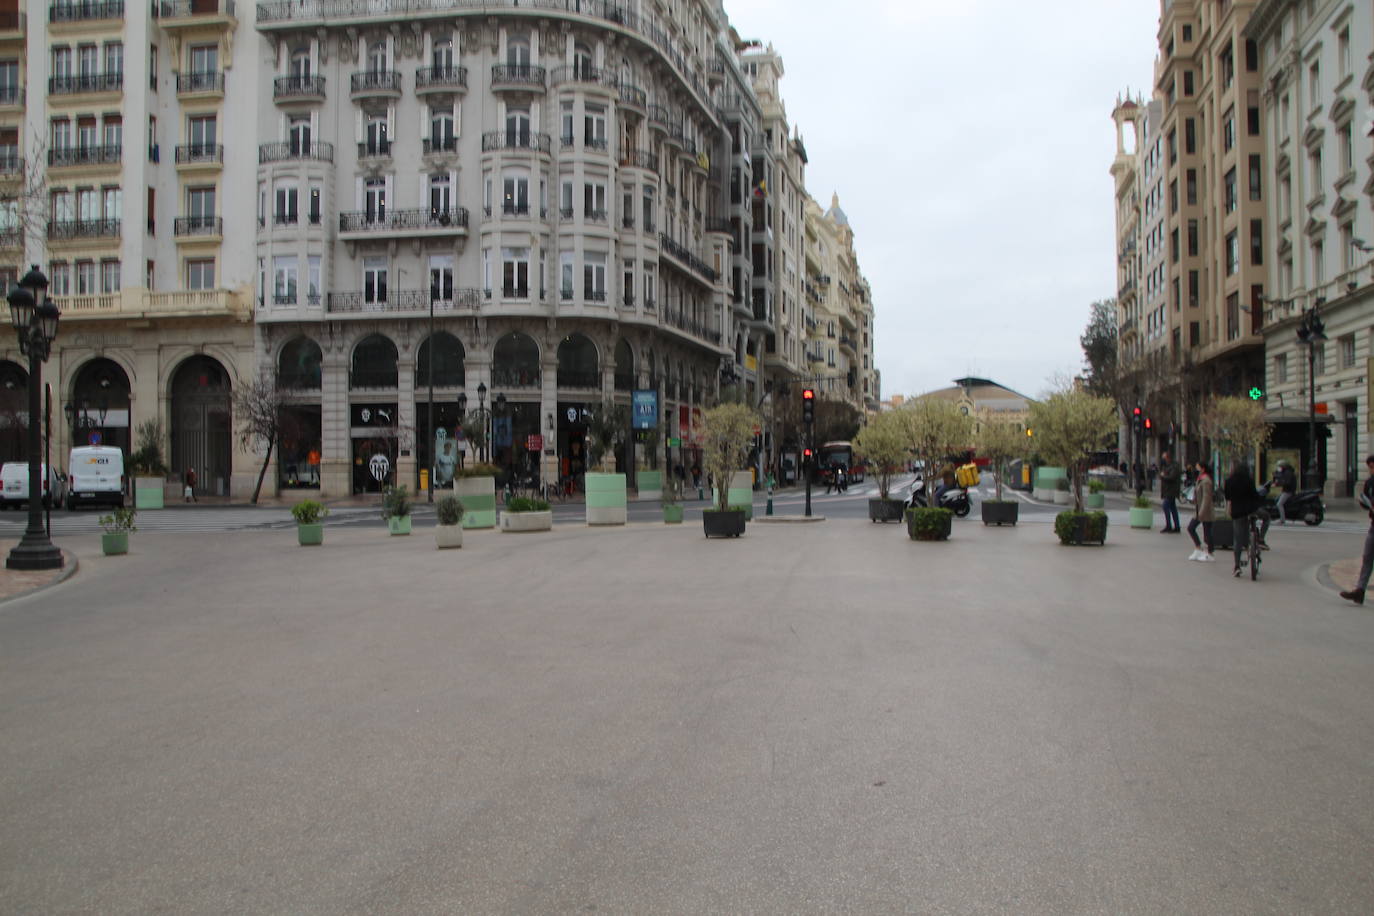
806,453
808,394
1137,413
1148,424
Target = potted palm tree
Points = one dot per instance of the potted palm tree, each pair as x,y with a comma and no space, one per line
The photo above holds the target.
396,509
1069,426
117,525
448,529
525,514
475,486
935,429
309,527
726,434
605,489
1000,440
149,470
884,445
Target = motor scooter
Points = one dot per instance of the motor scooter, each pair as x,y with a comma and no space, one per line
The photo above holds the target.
1304,504
955,499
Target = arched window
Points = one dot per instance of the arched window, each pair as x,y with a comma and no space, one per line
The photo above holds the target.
374,363
577,363
515,362
624,366
448,362
298,366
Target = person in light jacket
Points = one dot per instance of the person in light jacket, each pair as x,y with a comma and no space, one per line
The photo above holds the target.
1203,514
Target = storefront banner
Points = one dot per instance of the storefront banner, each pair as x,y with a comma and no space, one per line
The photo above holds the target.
644,407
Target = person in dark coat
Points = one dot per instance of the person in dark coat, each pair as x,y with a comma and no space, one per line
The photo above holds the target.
1356,594
1244,501
1169,485
1287,482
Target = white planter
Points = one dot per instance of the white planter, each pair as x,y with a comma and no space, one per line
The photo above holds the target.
527,521
1062,497
446,536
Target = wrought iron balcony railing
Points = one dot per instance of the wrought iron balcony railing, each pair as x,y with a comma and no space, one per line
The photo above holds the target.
198,225
440,145
516,140
11,163
84,155
632,95
200,152
298,87
518,74
80,12
200,82
375,81
11,95
404,300
393,220
374,148
86,82
279,152
686,257
83,229
441,78
639,159
185,9
515,378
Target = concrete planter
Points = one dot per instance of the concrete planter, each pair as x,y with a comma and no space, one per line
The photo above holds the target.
310,535
605,499
478,496
398,524
1142,518
1095,501
446,536
1063,497
672,515
527,521
649,484
115,544
149,492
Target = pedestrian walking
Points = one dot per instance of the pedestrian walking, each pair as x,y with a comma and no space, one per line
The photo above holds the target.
1203,514
1243,500
1287,481
1356,594
1169,475
190,480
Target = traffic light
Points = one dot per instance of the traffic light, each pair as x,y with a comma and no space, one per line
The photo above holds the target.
1136,416
806,453
1148,425
808,405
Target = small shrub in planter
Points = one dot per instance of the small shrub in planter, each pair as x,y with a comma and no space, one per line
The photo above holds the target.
1142,513
926,524
449,514
1081,527
524,514
1097,494
396,508
117,525
309,527
476,470
526,504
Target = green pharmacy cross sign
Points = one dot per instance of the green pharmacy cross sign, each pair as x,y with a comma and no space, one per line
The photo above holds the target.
1256,393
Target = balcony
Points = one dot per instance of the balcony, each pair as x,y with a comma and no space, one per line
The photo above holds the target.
140,303
292,151
441,79
516,140
677,319
64,230
582,75
179,15
12,237
11,163
199,155
370,84
517,78
417,222
659,118
515,378
374,149
84,155
73,84
198,226
633,99
639,159
11,95
415,301
720,225
434,146
209,84
298,89
12,25
86,12
685,257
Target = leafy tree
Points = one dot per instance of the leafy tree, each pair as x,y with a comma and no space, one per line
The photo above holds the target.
146,461
1000,440
1069,426
726,434
935,429
605,431
1236,425
884,445
1099,342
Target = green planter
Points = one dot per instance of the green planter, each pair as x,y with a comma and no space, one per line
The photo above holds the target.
1095,501
310,535
649,484
398,524
885,510
1142,518
478,496
606,502
672,515
115,544
148,493
740,493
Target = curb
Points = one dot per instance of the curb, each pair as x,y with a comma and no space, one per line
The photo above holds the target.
69,567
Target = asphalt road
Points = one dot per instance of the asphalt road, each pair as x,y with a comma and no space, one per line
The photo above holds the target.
811,718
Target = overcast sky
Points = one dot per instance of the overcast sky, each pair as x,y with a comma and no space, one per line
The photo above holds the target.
970,143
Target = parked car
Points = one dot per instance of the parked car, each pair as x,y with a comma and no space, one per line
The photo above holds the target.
14,485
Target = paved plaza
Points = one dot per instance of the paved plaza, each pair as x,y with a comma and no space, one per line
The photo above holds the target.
811,718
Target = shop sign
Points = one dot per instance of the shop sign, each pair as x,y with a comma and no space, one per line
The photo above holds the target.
373,415
644,408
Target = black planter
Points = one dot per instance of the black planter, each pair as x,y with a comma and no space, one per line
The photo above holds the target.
723,524
1080,528
1000,513
1223,534
929,524
885,510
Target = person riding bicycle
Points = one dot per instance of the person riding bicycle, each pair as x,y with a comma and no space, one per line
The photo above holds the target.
1244,501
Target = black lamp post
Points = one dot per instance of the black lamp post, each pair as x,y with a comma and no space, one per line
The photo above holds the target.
34,319
482,415
1311,331
498,405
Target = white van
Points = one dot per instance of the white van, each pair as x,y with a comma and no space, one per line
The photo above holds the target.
97,476
14,485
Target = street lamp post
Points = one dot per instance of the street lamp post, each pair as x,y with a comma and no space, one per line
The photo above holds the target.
1311,331
498,405
34,319
482,415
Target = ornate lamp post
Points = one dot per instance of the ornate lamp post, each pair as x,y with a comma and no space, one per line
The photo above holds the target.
35,322
498,406
1311,331
482,415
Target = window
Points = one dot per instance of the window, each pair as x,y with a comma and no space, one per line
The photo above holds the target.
376,142
650,271
377,57
152,72
1173,146
284,279
201,206
59,279
61,134
199,273
87,60
441,133
374,199
441,58
440,194
1318,262
1173,196
114,59
1187,33
374,280
1314,84
87,205
1232,253
441,277
1281,368
518,53
316,203
85,132
1194,334
1173,245
1187,82
204,59
109,276
1191,193
1255,177
1233,316
594,276
1190,136
201,131
1226,64
312,290
515,194
1256,242
1347,345
566,112
62,63
1346,148
594,204
627,282
1318,359
565,274
648,208
298,135
85,278
594,127
1192,288
1314,162
1231,192
518,128
287,211
1283,117
1285,198
1192,238
300,67
515,272
1251,56
1228,129
113,127
1343,53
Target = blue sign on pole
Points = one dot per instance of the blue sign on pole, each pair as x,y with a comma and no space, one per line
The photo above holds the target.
94,437
644,408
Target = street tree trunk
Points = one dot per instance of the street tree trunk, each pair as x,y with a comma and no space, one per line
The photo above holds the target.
267,459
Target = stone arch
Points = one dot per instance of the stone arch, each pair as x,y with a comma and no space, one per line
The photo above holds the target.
625,377
299,364
202,423
515,361
578,362
373,363
448,361
14,408
100,399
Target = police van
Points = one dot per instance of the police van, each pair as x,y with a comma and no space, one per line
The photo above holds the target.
97,476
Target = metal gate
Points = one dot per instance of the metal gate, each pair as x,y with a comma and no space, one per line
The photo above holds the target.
202,428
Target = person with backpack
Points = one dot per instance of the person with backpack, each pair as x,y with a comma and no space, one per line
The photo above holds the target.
1244,502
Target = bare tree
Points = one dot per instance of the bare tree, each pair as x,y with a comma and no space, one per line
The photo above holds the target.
260,407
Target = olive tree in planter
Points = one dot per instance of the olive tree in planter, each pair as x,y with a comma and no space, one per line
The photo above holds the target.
605,489
1000,440
726,434
149,470
448,529
309,527
118,524
1069,426
524,514
935,429
1236,428
396,509
883,443
475,485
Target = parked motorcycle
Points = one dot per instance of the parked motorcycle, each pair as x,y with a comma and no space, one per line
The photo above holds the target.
1304,504
955,499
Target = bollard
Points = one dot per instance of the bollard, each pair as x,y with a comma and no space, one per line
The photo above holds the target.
770,503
